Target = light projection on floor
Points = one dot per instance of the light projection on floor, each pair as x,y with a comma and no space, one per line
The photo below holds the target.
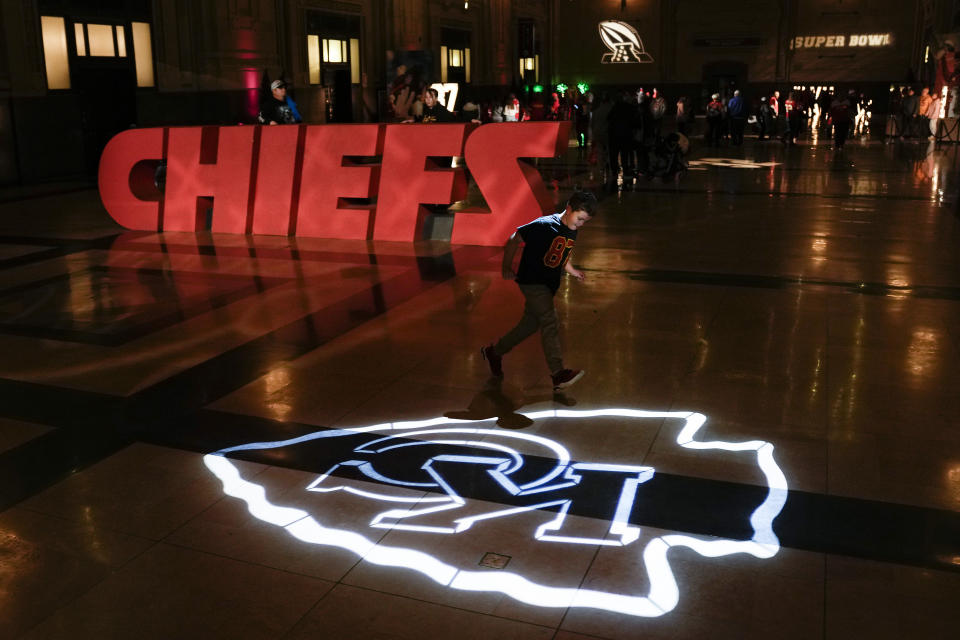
502,459
701,164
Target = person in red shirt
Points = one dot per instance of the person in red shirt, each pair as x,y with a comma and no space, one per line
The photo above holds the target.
774,103
554,107
794,112
714,120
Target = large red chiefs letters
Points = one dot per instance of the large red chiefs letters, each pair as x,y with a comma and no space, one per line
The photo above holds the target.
359,181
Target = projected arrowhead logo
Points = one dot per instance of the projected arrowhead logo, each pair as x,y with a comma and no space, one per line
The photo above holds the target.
421,472
624,44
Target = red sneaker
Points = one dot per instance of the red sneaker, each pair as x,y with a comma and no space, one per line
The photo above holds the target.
566,377
493,360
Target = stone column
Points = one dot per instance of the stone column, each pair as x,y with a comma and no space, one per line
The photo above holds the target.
410,23
497,18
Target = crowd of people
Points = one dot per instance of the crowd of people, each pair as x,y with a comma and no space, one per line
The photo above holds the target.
633,131
912,116
802,112
638,133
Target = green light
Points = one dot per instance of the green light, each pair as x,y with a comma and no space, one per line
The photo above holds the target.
583,87
561,88
538,88
526,88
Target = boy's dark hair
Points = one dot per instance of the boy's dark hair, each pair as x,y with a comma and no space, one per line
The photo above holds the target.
433,92
583,201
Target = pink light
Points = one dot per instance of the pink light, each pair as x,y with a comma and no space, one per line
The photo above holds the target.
251,81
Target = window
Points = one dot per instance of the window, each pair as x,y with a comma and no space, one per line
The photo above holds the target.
454,55
313,59
80,38
354,61
54,33
142,53
528,50
121,42
100,37
334,51
333,39
95,41
530,68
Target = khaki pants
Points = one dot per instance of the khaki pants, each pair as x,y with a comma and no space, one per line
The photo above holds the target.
538,313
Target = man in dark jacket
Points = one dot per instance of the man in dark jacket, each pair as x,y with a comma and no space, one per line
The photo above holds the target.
621,124
764,119
910,105
276,109
841,113
737,111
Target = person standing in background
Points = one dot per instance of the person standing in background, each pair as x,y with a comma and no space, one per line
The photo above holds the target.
275,109
714,120
933,117
684,116
737,111
909,105
923,105
774,103
841,112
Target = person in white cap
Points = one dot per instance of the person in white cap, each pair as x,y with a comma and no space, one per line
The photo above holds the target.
714,120
737,111
276,109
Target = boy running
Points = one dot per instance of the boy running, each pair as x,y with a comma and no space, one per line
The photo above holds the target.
548,243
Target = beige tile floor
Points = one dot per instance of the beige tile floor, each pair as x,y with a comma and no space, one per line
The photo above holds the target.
813,305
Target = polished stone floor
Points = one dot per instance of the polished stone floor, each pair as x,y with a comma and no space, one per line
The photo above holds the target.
226,437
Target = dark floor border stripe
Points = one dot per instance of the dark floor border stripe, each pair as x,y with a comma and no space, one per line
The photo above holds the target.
782,282
57,406
781,194
280,253
50,458
56,248
34,256
45,194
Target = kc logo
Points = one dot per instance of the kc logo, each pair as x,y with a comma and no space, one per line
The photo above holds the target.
447,477
353,181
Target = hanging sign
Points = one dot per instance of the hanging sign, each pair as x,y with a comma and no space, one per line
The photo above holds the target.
846,41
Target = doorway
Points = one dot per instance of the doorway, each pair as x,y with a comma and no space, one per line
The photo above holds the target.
107,96
342,96
724,77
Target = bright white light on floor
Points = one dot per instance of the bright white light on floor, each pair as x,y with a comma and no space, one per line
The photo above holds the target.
502,454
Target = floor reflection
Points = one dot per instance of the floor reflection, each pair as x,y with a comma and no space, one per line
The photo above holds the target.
502,401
